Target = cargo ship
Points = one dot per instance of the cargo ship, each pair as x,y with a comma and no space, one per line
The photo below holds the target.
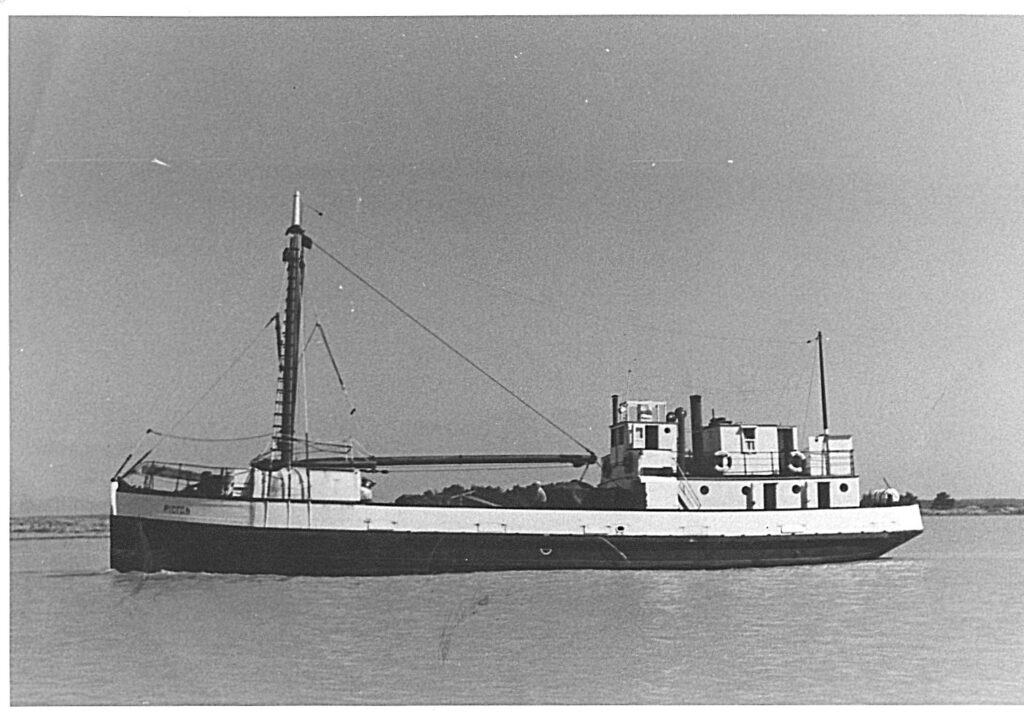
673,494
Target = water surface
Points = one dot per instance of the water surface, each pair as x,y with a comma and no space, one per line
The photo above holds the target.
940,620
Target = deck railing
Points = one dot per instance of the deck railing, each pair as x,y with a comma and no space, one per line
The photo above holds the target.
190,479
773,463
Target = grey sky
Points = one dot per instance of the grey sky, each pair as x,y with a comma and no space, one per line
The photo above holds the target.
672,203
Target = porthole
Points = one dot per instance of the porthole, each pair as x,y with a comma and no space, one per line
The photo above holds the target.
620,528
704,490
745,490
797,488
668,430
844,487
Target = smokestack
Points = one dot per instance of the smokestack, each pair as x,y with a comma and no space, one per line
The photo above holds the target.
696,423
615,409
680,436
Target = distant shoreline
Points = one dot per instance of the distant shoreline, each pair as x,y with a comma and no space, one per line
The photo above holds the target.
97,526
973,511
63,526
976,507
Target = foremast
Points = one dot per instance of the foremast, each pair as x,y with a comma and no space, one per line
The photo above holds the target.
283,447
284,431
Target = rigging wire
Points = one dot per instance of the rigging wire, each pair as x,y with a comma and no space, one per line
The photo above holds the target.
545,302
162,435
451,348
305,399
323,336
154,432
356,444
323,446
138,445
810,391
300,371
330,355
309,339
216,381
302,360
280,294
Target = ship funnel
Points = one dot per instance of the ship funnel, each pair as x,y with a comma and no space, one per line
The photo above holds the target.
696,424
615,409
297,210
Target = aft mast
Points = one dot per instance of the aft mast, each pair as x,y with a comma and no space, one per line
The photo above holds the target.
824,404
293,258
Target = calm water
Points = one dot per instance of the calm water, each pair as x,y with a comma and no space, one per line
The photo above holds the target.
941,620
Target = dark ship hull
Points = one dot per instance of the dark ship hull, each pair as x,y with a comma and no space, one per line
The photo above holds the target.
150,545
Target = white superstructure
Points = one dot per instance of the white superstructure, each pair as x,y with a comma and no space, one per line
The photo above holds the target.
730,466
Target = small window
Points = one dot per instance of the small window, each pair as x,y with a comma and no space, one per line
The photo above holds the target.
704,490
745,490
657,471
844,487
749,438
797,488
668,429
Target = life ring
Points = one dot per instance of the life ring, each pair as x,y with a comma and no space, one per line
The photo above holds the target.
724,461
545,552
796,462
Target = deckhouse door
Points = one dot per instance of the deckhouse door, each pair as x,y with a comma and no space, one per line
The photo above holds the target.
824,498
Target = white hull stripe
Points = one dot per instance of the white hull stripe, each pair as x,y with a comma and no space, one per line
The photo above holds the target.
280,514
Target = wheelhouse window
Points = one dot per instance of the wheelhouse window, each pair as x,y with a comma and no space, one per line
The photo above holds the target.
749,434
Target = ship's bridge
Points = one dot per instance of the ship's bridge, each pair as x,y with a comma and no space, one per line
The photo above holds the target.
647,434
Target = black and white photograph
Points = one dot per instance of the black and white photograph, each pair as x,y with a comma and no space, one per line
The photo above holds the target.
453,359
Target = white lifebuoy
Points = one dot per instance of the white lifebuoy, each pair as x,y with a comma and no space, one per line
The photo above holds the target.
724,461
796,462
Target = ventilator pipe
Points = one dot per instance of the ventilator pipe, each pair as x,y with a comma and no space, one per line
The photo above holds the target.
680,435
